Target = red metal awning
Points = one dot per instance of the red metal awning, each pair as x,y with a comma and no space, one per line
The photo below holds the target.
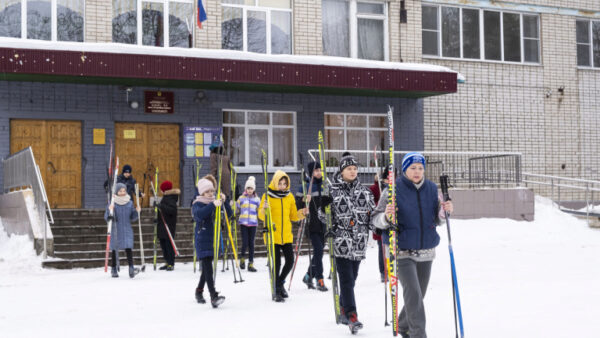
23,64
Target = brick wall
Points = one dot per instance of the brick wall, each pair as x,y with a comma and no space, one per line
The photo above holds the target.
307,35
98,21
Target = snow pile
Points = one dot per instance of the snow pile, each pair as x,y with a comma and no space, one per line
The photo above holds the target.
17,254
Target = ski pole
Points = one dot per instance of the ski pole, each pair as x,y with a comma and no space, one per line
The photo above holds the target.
455,293
137,199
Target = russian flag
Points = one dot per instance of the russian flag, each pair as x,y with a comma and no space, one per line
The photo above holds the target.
201,14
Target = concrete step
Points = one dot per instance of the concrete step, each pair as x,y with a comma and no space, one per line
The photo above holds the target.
101,229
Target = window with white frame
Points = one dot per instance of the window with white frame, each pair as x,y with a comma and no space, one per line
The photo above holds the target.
260,26
247,132
588,43
161,22
478,34
356,29
51,20
351,131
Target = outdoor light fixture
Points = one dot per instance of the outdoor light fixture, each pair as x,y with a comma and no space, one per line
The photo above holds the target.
200,96
134,105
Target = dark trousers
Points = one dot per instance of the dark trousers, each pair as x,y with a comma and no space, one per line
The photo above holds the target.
315,269
414,277
207,275
168,251
129,258
288,253
248,234
347,272
382,266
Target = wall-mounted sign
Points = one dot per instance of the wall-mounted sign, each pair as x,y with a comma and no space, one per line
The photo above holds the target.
158,102
99,136
129,134
197,140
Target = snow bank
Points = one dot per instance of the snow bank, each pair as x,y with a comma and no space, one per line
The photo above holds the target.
17,255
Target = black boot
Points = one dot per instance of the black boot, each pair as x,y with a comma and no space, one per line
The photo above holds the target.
353,322
133,271
199,297
113,272
164,267
216,300
251,267
321,285
308,281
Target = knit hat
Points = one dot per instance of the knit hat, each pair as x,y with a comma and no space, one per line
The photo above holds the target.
166,185
120,186
411,158
250,183
127,169
347,161
204,185
312,166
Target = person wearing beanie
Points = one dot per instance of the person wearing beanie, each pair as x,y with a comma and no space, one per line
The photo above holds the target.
126,178
167,218
315,203
123,213
419,208
248,204
283,212
352,206
203,211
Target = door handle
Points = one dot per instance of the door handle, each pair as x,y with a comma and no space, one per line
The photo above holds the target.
52,167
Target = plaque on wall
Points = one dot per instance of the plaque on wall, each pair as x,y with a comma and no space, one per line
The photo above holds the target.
158,102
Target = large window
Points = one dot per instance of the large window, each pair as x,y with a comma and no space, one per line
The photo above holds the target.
260,26
246,133
346,131
355,29
161,22
51,20
588,43
477,34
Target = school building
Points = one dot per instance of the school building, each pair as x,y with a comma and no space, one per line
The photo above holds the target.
76,75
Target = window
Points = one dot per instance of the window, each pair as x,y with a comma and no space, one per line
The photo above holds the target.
58,20
588,43
161,22
246,133
355,29
464,33
346,131
260,26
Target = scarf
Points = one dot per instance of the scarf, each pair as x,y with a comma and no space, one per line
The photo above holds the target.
204,199
278,193
122,200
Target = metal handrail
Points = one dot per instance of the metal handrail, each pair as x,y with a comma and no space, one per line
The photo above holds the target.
21,171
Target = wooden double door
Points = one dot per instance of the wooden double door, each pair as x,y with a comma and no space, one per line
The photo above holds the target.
145,147
57,150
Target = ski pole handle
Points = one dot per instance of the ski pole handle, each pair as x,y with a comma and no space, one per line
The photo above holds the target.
444,186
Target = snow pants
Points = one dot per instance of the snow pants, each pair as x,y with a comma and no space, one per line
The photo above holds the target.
288,253
168,251
248,234
347,272
414,277
315,269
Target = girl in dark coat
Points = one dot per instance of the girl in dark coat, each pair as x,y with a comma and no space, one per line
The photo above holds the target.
121,232
418,211
167,213
203,210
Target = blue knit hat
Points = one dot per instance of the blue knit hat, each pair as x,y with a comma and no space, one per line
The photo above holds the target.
127,168
411,158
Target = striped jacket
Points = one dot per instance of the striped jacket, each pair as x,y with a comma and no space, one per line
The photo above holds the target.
248,206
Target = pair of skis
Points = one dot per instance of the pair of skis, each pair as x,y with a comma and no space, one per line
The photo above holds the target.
196,179
111,215
268,230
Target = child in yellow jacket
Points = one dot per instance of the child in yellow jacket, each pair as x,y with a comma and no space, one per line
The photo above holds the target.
283,210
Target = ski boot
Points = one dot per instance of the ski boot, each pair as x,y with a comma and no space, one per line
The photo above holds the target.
164,267
283,293
321,285
133,271
343,318
199,297
353,323
113,272
251,267
242,264
308,281
170,268
216,300
277,298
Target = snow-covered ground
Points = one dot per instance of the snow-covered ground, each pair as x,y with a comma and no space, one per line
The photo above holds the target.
517,279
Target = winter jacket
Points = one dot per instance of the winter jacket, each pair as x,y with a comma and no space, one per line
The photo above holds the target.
351,207
130,183
248,206
121,232
167,209
283,211
318,202
204,231
225,172
417,215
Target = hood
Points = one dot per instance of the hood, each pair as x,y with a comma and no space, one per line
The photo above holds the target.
279,174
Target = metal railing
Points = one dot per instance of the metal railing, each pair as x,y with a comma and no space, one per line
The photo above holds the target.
565,186
465,169
21,172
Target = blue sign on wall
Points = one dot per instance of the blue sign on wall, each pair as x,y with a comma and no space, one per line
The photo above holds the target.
197,140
